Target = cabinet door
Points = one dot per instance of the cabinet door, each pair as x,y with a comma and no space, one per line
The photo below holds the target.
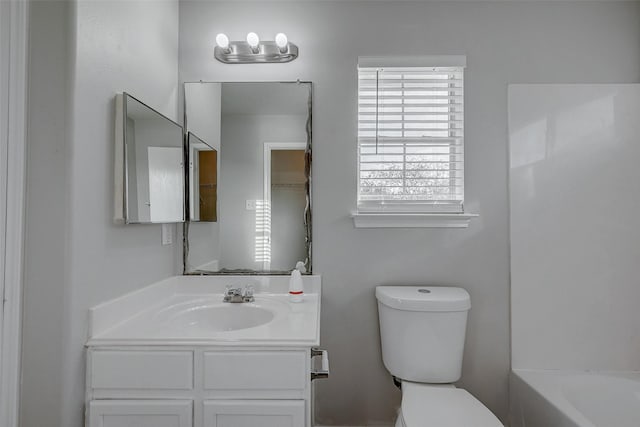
140,413
254,413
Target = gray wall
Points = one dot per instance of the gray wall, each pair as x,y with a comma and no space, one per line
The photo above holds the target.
81,54
592,42
568,143
47,227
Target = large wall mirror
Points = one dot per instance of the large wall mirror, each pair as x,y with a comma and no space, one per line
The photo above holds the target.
149,165
260,133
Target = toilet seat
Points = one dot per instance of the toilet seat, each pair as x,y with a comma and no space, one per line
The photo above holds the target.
426,405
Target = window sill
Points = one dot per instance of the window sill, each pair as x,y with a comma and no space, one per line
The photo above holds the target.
411,220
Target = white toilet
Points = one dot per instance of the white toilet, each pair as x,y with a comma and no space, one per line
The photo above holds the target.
422,330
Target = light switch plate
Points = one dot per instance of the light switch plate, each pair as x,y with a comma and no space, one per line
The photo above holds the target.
251,205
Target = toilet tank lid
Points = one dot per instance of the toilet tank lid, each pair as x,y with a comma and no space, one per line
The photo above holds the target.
424,298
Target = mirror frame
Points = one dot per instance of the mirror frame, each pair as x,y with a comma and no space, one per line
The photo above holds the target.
308,188
121,171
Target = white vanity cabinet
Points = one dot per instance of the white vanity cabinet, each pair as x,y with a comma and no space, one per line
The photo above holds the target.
174,354
200,386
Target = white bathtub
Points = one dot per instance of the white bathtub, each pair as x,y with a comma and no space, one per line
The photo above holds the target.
574,399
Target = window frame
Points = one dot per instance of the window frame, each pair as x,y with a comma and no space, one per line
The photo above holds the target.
406,212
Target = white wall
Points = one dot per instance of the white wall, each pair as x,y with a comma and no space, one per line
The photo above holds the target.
504,43
574,238
85,51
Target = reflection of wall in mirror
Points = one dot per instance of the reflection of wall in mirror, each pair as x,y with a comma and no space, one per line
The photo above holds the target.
203,111
241,174
132,190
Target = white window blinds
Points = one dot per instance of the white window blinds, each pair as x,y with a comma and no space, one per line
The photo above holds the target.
410,139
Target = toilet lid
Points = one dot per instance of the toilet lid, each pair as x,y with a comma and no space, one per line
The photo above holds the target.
426,406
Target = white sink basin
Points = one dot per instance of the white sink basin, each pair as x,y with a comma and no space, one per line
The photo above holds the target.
214,317
188,310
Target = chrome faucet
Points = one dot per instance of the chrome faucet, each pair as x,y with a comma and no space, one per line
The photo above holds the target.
237,295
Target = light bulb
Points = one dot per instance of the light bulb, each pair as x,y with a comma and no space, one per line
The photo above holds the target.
253,40
223,41
282,42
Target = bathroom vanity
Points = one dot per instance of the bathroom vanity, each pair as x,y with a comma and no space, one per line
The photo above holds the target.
175,355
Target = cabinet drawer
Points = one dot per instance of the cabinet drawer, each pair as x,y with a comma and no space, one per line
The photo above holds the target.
254,413
140,413
142,370
255,370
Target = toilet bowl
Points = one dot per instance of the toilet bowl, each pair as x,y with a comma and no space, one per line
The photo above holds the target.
422,331
424,405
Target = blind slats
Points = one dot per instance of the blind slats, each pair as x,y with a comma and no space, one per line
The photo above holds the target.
413,81
381,99
408,104
385,92
407,74
395,121
390,142
410,142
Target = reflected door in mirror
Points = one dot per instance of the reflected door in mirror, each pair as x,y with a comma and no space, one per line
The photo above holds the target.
203,180
287,199
208,161
165,183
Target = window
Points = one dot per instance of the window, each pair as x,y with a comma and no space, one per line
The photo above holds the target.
411,135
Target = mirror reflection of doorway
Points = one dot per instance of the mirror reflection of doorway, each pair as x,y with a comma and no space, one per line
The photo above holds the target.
208,181
285,197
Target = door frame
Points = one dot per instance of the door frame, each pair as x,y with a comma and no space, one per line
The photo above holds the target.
13,116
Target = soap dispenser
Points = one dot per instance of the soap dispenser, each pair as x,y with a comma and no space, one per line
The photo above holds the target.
296,290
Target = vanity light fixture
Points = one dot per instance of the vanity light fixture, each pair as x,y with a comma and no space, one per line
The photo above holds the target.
282,42
254,42
223,41
253,51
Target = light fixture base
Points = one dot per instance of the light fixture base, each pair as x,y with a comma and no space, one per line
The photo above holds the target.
268,52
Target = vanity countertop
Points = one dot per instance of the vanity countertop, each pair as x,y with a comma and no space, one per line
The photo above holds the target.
188,310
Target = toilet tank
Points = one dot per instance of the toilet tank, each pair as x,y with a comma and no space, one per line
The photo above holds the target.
422,330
